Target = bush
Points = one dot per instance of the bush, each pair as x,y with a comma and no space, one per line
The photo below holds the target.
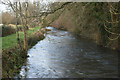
7,30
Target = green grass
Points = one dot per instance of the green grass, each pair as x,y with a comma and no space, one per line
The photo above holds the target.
10,41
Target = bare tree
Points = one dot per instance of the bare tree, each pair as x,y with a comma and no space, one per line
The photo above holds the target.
14,7
20,9
24,21
17,34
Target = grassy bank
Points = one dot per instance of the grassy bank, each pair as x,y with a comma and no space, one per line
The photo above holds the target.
13,56
10,41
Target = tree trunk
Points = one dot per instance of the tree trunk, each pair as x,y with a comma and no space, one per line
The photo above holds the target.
119,24
24,35
24,30
17,34
119,39
24,38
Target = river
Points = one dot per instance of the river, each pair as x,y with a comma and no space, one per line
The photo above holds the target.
62,55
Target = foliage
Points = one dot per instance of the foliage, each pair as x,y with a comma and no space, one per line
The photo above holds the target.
12,61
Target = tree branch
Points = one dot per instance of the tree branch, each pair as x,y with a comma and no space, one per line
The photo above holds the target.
62,6
112,39
110,31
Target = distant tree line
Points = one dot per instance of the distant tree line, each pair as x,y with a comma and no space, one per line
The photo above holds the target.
8,18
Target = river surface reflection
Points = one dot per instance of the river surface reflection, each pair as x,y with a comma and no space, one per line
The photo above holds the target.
61,55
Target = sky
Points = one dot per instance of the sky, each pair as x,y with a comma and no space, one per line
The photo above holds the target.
3,7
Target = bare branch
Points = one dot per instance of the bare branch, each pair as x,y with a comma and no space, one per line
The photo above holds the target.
62,6
112,39
113,12
111,22
110,31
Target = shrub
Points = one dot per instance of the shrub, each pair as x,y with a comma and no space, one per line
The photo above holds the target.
7,30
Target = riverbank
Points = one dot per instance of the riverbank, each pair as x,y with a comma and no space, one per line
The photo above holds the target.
87,20
13,56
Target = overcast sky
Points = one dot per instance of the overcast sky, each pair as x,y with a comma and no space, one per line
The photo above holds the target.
3,7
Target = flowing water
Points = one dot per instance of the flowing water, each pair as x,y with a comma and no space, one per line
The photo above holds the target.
62,55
